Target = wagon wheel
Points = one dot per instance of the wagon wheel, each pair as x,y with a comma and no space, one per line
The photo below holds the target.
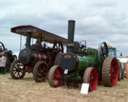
40,71
91,77
110,71
17,70
58,46
55,76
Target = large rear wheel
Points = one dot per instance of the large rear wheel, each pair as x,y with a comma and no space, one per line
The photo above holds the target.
91,77
40,71
17,70
55,76
110,71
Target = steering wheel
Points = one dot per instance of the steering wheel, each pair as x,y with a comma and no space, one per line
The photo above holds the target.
103,49
58,46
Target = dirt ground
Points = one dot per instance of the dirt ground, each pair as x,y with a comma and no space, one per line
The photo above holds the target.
26,90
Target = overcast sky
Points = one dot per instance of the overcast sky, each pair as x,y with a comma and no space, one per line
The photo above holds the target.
96,20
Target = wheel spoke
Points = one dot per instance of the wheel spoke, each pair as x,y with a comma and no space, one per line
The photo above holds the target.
14,72
14,69
40,71
18,74
17,70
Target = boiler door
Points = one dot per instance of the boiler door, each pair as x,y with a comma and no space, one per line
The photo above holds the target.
25,56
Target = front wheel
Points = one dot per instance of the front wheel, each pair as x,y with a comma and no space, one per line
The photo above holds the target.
91,77
55,76
17,70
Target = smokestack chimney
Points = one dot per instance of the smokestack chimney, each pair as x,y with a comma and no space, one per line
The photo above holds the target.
71,29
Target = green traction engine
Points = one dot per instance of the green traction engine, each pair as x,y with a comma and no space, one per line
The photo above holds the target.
84,65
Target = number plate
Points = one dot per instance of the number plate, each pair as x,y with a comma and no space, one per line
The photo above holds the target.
84,89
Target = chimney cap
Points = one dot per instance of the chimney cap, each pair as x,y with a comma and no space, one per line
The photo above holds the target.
71,20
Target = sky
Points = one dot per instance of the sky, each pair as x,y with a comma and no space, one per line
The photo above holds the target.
96,20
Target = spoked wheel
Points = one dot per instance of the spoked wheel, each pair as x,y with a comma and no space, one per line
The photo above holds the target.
55,76
91,77
40,71
110,71
17,70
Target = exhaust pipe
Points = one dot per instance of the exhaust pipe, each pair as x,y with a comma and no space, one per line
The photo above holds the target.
71,30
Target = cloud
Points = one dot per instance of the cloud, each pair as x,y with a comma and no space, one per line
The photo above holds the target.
95,20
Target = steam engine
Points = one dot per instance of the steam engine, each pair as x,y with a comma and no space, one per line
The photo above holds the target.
29,56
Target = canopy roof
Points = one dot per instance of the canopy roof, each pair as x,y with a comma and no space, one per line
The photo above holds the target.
38,33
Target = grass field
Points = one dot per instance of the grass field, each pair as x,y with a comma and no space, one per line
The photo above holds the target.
26,90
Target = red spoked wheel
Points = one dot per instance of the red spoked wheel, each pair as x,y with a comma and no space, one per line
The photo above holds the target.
55,76
91,77
110,71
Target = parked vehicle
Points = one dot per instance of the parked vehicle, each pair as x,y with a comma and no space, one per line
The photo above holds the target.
6,58
36,58
82,64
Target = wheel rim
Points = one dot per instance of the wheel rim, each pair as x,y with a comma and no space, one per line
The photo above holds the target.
57,78
18,70
114,72
93,82
42,70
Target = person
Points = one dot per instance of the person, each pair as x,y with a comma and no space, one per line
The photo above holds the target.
37,45
44,45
